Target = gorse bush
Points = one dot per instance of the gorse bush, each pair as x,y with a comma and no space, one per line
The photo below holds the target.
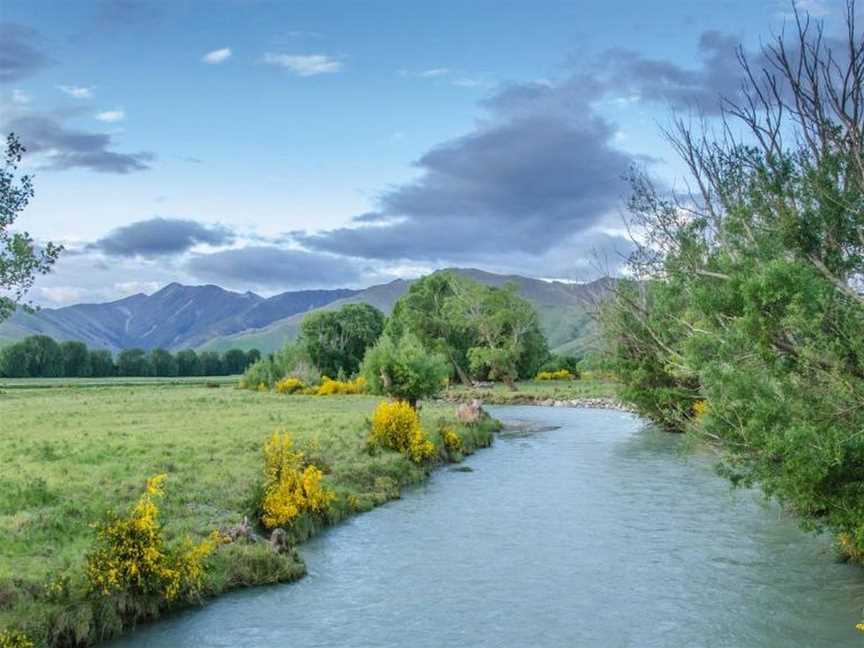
396,426
288,385
329,387
451,440
15,639
559,374
291,485
131,557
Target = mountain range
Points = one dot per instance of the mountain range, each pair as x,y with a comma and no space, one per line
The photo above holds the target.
212,318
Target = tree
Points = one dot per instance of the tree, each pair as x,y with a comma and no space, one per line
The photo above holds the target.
252,356
162,362
101,363
44,357
188,363
430,311
134,362
336,340
742,323
14,361
405,369
211,363
20,257
235,362
76,359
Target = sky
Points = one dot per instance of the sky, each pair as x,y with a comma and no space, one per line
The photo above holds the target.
272,146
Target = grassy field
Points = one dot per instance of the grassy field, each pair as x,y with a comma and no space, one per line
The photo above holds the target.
70,454
30,383
592,385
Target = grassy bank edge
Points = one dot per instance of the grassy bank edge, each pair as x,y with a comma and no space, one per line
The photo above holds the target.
83,621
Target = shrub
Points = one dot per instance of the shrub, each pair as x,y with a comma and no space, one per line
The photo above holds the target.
15,639
132,558
288,385
560,374
396,425
291,486
328,386
451,440
404,370
568,362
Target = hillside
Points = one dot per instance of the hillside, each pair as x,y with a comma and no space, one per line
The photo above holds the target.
174,317
564,310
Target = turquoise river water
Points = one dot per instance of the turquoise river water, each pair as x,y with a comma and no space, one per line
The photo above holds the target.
601,532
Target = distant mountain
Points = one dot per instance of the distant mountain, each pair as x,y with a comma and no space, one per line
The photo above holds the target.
212,318
174,317
564,308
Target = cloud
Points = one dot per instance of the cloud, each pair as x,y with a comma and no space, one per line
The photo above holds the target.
308,65
19,56
20,97
62,148
217,56
111,116
434,72
275,267
78,92
159,237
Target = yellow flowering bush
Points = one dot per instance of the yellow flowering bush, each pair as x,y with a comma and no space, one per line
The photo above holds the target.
291,486
700,409
451,440
131,556
288,385
262,387
396,425
15,639
560,374
329,387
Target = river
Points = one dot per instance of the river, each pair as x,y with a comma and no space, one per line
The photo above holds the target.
599,533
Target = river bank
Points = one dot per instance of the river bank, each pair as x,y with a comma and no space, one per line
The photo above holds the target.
76,453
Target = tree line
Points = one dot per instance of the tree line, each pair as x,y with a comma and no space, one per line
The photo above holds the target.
40,356
744,321
446,327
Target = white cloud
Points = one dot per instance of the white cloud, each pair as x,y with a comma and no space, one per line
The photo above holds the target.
465,82
217,56
304,65
79,92
111,116
20,97
434,72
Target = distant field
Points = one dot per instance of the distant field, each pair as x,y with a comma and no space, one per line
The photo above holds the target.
35,383
590,386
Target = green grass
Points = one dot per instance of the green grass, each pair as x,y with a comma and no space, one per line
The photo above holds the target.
30,383
71,454
589,386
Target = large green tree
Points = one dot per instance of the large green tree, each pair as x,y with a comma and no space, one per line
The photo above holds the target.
134,362
76,359
336,340
21,258
743,321
404,369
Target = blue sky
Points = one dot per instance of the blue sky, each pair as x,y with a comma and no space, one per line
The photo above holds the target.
237,142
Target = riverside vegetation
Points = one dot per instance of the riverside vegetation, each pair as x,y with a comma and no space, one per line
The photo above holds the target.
744,323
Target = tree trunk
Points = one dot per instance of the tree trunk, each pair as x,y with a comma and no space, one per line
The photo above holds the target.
463,377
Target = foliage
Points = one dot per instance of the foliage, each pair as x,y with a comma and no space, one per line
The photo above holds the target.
451,440
743,321
188,363
329,387
404,370
163,364
20,257
396,425
288,385
131,557
291,485
559,374
557,362
76,359
335,340
15,639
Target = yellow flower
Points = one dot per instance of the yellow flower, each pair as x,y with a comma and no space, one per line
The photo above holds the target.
395,425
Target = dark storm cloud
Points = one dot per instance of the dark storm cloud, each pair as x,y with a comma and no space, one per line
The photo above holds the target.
520,185
160,237
19,55
270,266
541,168
64,148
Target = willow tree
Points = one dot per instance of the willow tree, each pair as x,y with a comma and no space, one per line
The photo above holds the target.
743,322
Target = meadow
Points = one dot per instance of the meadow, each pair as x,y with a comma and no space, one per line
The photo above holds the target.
72,453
